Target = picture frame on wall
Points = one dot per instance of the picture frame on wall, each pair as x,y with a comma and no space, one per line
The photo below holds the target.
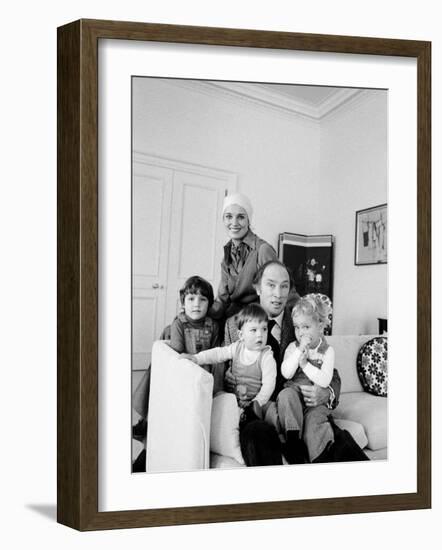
96,63
310,258
371,231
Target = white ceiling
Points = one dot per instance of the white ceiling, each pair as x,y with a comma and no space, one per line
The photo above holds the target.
313,95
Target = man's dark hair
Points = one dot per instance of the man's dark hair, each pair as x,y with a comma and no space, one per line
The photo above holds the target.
197,285
260,272
251,312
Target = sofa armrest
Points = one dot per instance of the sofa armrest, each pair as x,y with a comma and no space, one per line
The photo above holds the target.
370,411
180,402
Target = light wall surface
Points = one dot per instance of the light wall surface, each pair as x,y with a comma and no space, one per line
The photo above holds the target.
353,170
270,152
303,176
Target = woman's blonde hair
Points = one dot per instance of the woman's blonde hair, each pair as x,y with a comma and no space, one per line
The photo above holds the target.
314,307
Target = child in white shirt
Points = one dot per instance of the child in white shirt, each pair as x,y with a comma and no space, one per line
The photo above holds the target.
308,360
253,364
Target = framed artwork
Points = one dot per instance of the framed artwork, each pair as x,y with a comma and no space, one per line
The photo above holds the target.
126,91
371,229
310,259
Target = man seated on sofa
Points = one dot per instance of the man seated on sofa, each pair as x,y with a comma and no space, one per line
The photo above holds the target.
273,284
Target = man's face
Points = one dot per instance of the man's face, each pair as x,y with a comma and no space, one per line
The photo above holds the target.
274,289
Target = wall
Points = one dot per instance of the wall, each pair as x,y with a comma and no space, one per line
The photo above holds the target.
270,152
353,170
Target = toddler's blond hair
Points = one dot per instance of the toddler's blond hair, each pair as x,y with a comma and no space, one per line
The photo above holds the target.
314,307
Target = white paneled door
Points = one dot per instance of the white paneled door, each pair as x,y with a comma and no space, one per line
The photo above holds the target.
177,232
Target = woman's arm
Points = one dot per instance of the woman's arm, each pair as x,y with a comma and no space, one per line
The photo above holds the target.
290,364
322,376
268,368
266,253
222,299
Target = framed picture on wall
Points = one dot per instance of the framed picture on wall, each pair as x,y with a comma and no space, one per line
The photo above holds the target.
371,228
310,257
108,176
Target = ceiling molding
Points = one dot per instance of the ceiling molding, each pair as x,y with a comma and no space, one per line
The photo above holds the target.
260,96
227,93
263,96
338,99
361,96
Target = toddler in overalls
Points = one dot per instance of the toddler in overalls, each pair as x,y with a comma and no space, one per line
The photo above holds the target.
253,364
307,360
193,330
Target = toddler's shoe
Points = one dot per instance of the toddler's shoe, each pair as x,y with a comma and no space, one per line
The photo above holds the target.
295,450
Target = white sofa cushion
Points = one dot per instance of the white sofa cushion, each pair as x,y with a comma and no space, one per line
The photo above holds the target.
370,411
180,402
346,353
224,427
224,462
380,454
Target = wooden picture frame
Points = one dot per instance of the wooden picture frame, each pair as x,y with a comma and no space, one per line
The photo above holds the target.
371,226
77,224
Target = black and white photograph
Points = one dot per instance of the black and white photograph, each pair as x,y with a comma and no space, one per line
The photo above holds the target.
244,355
147,147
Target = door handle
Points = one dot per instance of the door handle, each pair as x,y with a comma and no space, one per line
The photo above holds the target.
155,285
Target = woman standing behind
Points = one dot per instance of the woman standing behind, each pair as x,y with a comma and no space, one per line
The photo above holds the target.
244,254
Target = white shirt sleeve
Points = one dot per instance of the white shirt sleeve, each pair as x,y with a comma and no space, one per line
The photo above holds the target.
322,376
268,368
291,361
215,355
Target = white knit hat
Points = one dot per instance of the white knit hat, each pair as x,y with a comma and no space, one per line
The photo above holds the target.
240,200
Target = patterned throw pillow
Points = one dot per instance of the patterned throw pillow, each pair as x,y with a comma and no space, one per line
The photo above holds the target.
372,366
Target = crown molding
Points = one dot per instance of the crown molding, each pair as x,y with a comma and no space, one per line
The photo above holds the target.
264,97
261,97
338,99
361,97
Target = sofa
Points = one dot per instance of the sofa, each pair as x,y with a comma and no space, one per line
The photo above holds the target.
190,429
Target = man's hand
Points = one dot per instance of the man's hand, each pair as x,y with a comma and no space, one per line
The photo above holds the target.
314,395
